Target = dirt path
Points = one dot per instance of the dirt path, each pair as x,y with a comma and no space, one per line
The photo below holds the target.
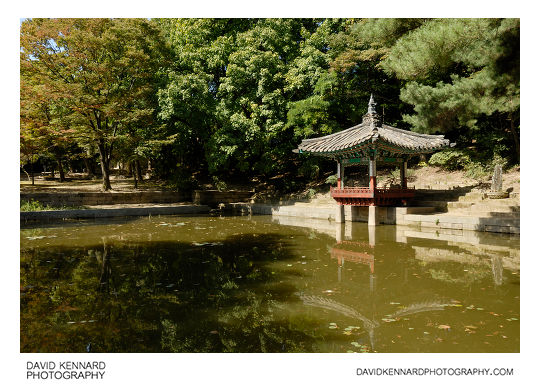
76,183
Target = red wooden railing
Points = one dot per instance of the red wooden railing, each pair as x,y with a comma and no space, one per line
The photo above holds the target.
366,192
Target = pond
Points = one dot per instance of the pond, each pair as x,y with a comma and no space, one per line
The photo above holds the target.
263,284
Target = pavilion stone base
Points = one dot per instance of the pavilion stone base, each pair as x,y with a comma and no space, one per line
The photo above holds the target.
375,215
372,215
385,215
340,213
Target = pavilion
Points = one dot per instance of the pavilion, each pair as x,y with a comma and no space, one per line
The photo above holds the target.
369,143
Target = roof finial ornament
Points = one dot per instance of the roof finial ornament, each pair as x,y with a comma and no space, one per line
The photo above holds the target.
371,105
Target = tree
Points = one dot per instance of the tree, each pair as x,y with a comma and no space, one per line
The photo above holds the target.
99,70
459,74
41,133
252,109
454,76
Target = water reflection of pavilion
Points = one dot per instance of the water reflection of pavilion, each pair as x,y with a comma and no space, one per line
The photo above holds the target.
352,247
361,252
499,252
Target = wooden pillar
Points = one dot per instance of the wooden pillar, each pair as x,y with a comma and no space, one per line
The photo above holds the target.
372,214
372,173
340,175
403,174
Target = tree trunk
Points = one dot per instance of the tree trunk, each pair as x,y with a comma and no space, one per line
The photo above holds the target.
138,170
61,170
89,168
32,169
149,170
104,161
25,172
515,134
135,175
52,170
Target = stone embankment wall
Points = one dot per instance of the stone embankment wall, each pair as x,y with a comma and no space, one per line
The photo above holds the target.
51,215
413,216
215,197
105,198
385,215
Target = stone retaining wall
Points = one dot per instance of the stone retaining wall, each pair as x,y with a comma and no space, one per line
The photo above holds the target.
105,198
460,223
216,197
113,212
412,216
385,215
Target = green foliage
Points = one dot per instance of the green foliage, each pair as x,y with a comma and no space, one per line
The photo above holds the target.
476,166
395,175
310,168
183,180
34,205
458,73
219,184
235,96
102,75
450,159
331,180
310,194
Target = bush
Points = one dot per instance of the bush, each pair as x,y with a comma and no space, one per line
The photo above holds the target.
219,184
310,194
450,159
32,206
395,175
183,181
310,169
476,170
477,166
332,180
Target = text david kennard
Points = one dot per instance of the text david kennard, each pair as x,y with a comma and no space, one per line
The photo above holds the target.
65,370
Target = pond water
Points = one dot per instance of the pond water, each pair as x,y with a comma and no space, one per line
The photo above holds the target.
261,284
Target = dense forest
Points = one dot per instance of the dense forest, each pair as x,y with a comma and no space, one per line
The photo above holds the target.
229,99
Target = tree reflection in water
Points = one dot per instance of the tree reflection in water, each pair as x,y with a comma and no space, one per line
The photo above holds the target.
159,297
250,285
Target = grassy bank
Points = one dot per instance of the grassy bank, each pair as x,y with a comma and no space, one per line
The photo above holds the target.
33,206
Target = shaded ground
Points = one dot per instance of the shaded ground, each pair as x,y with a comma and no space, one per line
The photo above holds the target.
427,177
77,183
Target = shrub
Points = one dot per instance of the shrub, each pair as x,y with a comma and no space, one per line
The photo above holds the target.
219,184
310,194
476,165
332,180
450,159
31,206
310,169
476,170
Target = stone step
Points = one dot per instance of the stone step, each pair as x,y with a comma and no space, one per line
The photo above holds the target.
472,196
438,205
478,213
488,207
459,205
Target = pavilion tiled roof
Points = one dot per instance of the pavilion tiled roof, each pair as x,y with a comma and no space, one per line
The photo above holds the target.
372,133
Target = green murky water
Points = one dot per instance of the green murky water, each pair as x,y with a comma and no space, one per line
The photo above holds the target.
257,284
